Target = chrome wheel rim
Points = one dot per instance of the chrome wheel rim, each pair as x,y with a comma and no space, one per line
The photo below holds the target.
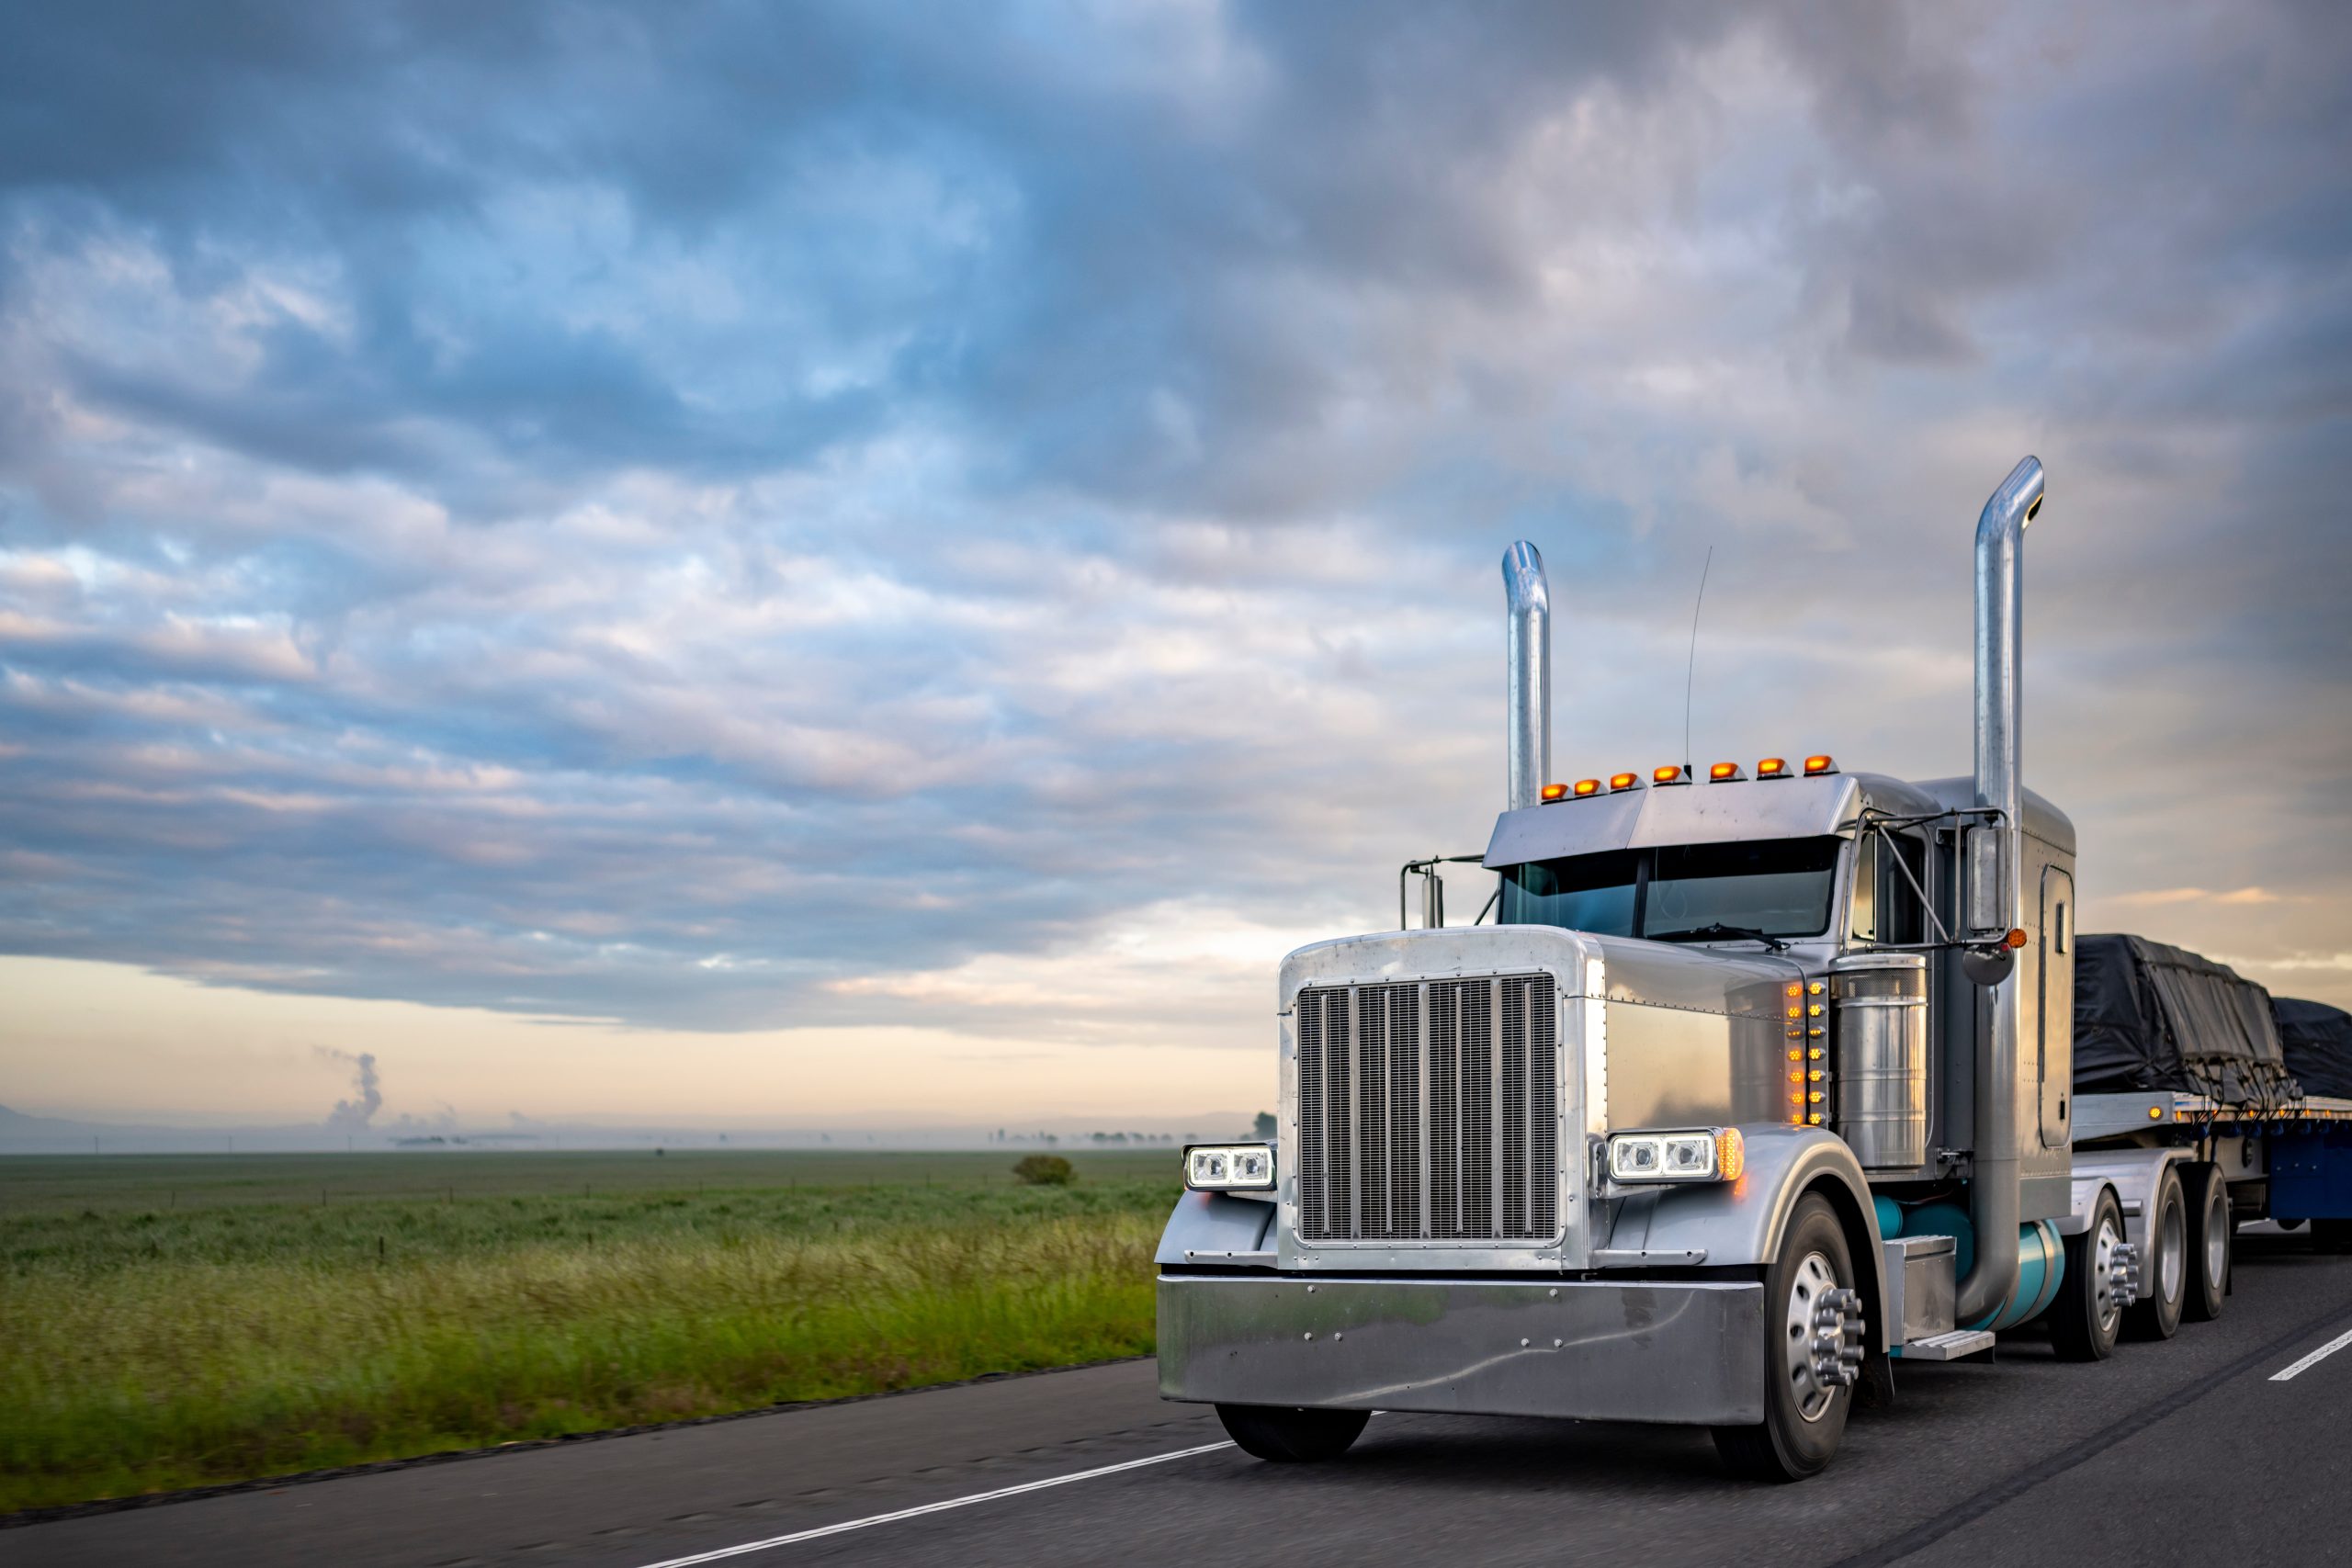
2217,1242
2107,1307
1814,1279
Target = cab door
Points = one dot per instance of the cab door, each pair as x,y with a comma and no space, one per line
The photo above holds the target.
2054,953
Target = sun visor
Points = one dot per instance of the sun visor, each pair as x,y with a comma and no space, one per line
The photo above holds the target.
1676,814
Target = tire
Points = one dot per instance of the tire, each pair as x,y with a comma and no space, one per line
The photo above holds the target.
1291,1437
2207,1288
2088,1315
2164,1262
2332,1236
1805,1420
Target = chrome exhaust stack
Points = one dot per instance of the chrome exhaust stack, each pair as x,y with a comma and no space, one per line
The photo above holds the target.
1528,636
1995,854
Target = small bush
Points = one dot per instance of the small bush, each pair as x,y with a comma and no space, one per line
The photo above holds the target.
1044,1170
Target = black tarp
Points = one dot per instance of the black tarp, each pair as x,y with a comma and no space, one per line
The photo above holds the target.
2151,1017
2317,1041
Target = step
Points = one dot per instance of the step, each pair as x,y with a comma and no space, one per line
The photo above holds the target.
1949,1347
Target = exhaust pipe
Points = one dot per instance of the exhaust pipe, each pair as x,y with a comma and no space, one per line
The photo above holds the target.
1528,635
2000,716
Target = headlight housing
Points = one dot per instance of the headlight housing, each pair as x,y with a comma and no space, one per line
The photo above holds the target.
1706,1154
1229,1168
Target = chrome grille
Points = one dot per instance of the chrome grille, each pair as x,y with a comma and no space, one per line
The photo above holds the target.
1429,1110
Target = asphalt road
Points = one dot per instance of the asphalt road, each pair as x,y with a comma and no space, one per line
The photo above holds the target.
2180,1453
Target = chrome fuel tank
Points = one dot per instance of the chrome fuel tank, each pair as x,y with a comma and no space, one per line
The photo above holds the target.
1881,1002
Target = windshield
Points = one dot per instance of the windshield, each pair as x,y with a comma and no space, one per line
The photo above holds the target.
1776,888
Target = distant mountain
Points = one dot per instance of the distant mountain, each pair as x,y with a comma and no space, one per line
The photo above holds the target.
17,1124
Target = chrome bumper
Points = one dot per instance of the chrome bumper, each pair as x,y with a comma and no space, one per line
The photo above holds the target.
1602,1351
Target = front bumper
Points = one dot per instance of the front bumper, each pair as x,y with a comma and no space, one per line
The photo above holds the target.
1604,1350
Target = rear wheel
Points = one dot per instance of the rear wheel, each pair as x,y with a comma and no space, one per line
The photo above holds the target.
1812,1352
2089,1313
2332,1235
2207,1203
1291,1437
2165,1260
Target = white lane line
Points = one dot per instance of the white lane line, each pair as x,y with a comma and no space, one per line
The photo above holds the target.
748,1545
2322,1353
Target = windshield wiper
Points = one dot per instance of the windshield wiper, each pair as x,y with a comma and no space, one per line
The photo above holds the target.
1718,929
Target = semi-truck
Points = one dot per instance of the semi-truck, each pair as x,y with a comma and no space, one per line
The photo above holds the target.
1758,1083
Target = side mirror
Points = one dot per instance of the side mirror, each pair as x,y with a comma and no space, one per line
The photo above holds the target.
1989,963
1987,966
1987,903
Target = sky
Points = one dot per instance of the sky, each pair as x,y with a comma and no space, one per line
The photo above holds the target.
886,562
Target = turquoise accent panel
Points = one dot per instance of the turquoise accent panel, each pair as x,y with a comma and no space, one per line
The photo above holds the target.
2042,1268
1890,1216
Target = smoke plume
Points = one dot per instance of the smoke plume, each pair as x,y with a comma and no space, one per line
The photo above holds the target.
353,1115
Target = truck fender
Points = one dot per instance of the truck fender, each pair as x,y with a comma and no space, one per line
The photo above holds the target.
1217,1227
1739,1223
2133,1174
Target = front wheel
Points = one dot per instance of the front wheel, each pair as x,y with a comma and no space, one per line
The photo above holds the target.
1813,1353
1291,1437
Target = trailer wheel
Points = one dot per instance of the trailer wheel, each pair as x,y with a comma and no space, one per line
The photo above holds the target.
2208,1286
2332,1235
1291,1437
1811,1317
2089,1313
2165,1260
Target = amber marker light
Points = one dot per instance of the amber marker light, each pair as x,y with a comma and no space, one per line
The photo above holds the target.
1772,768
1554,792
1669,774
1724,772
2016,938
1814,766
1624,781
1731,1155
1586,786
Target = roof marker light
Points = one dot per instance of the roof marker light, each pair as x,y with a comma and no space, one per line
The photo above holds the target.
1772,768
1554,792
1586,786
1670,775
1724,772
1624,781
1817,765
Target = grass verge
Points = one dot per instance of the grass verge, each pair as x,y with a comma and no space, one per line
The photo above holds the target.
147,1351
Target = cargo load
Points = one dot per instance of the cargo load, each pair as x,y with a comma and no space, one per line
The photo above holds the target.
2317,1042
2152,1017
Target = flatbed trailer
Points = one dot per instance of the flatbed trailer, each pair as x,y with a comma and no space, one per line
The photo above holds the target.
2289,1162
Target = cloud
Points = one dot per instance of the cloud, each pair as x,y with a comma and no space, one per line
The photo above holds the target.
776,520
2161,895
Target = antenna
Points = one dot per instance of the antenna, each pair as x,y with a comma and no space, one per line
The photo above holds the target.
1690,672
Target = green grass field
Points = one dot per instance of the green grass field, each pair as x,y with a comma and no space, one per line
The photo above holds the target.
173,1320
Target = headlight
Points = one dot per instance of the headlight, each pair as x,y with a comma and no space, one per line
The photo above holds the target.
1717,1154
1222,1167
